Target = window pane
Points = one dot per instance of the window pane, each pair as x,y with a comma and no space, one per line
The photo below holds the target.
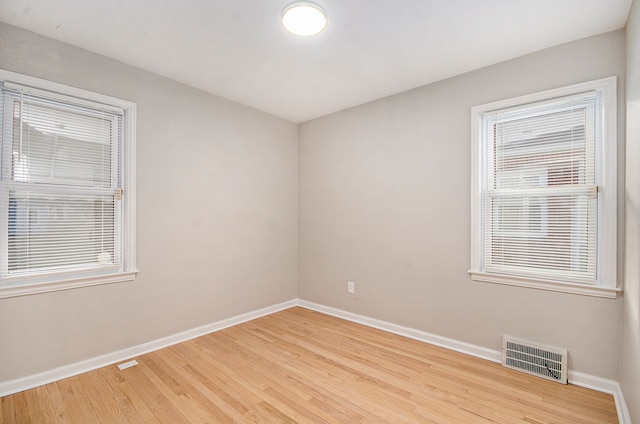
540,204
555,234
553,145
58,232
520,216
56,145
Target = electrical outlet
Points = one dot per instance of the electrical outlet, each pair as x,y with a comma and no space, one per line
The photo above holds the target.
351,287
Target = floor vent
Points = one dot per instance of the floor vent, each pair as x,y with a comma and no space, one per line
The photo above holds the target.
535,359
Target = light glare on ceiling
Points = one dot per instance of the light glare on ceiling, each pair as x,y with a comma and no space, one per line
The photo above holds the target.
304,18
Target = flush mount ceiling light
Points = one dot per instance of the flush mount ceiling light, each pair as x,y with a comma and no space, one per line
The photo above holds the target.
304,18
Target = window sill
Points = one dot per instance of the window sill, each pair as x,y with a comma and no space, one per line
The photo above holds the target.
574,288
25,289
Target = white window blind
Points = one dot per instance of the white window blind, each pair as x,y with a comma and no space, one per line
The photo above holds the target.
544,190
540,200
62,207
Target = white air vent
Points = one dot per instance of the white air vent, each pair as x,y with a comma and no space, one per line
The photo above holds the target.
544,361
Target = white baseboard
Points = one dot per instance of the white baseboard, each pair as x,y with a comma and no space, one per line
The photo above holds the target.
606,386
578,378
29,382
470,349
624,417
592,382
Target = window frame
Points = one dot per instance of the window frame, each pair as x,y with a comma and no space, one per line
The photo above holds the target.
606,254
28,285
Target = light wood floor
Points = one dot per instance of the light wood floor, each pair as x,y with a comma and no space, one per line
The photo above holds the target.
299,366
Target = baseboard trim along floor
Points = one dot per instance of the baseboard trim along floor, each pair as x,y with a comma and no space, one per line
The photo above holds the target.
29,382
25,383
577,378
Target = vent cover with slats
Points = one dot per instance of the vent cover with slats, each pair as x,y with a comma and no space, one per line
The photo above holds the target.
540,360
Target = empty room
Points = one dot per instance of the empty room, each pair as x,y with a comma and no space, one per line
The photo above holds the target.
337,211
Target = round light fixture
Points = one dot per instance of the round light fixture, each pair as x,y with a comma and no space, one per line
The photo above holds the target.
304,18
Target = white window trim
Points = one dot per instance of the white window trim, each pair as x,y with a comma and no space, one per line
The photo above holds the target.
607,245
129,269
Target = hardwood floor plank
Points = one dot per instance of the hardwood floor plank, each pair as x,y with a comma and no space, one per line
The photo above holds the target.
8,409
155,395
110,402
22,414
97,397
192,400
344,377
224,389
263,386
76,405
137,411
60,412
40,406
301,366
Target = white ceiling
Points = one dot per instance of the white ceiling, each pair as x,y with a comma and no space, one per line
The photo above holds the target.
371,48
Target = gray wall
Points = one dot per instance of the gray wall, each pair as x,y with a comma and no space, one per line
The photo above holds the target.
216,216
385,202
630,352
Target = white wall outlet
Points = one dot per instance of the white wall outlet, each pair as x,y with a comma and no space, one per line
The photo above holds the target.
351,287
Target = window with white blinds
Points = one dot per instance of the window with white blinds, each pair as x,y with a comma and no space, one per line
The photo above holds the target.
63,188
539,189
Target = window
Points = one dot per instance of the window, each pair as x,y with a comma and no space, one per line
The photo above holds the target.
67,187
544,190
